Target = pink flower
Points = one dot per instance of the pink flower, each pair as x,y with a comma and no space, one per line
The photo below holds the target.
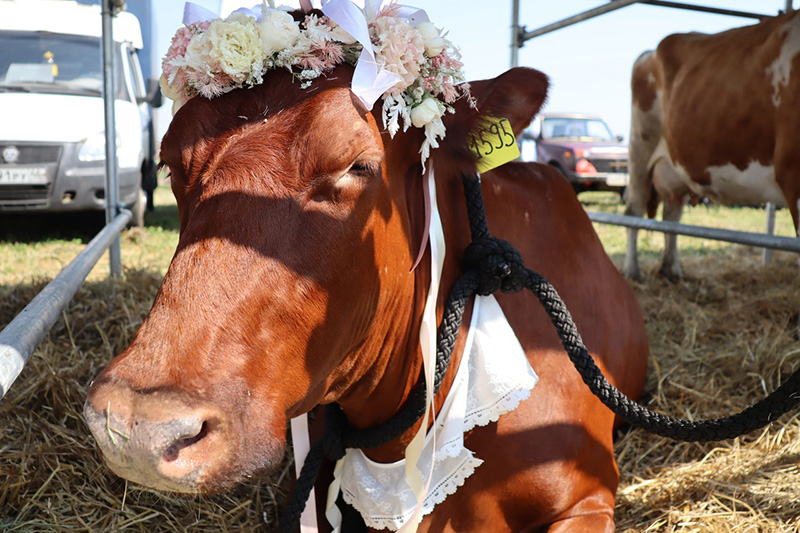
400,48
323,56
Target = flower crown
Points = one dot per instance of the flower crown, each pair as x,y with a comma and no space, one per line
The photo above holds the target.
399,56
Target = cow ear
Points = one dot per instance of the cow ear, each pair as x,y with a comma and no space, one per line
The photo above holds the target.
518,94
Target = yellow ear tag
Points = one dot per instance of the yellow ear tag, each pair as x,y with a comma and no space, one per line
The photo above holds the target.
493,143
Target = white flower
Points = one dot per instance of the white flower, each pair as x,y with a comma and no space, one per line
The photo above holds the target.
434,43
426,112
339,34
279,31
197,53
235,46
168,90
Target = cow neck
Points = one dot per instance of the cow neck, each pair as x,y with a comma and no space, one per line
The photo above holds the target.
403,368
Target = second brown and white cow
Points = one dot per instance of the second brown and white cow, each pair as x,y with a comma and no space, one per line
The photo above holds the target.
715,116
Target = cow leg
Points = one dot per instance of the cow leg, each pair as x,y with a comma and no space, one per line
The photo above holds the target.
644,140
670,264
636,199
630,268
673,190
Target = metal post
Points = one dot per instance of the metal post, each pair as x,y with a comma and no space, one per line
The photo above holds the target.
586,15
613,5
22,335
760,240
706,9
515,32
112,192
789,6
770,231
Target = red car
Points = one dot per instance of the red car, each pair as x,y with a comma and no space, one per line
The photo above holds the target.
581,147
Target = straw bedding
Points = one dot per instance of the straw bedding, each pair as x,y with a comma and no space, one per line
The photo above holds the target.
719,339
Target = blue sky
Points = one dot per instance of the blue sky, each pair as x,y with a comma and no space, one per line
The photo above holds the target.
589,64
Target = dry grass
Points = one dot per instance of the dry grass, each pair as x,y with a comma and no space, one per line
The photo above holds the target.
51,475
719,340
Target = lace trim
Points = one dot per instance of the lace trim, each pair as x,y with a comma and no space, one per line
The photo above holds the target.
492,380
438,493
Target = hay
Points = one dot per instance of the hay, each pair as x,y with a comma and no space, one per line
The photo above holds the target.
719,340
51,476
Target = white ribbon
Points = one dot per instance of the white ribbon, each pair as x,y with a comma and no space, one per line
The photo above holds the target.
301,444
370,80
196,13
427,338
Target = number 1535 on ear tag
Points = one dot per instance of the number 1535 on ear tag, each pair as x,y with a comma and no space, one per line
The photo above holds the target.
493,143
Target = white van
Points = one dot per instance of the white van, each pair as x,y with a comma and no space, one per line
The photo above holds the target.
52,140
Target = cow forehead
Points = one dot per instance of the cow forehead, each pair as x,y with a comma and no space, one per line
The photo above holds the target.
305,131
336,130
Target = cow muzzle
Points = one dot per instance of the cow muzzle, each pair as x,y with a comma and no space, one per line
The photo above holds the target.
158,439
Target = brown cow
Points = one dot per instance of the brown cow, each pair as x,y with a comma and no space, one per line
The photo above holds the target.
291,287
715,116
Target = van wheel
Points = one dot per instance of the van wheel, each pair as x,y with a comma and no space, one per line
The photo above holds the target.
137,211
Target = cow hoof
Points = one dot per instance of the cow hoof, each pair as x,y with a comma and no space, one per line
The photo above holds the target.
632,274
672,274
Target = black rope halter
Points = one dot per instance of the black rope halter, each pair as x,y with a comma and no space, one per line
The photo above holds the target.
489,265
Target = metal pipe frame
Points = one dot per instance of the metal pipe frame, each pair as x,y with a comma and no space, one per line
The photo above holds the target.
112,190
706,9
515,44
760,240
613,5
22,335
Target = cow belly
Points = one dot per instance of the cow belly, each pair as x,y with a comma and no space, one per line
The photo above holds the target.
754,185
728,184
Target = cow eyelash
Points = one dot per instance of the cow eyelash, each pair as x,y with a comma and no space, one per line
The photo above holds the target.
365,168
163,168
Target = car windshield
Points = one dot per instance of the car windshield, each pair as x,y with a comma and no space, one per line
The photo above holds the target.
50,62
576,128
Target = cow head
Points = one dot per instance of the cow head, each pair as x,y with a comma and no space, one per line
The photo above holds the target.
291,285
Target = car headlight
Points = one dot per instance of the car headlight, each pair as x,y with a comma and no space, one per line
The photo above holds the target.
94,148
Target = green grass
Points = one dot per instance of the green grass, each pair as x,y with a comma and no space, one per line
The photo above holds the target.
40,245
651,243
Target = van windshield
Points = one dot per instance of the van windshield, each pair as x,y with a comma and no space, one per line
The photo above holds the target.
51,62
577,128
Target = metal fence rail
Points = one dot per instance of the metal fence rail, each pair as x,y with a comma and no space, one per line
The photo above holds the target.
22,335
761,240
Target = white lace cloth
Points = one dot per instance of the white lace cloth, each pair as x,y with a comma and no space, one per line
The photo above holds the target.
493,378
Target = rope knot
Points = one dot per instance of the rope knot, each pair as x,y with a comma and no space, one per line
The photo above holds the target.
498,263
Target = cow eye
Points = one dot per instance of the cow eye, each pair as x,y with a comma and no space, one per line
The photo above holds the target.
365,168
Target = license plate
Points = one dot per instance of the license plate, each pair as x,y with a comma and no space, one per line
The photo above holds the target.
617,179
23,176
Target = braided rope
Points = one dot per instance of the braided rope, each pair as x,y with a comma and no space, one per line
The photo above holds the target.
491,264
339,435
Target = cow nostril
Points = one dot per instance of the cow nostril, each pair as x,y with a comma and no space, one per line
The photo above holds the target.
173,451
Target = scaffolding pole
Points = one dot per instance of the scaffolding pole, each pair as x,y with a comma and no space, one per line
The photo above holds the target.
112,191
